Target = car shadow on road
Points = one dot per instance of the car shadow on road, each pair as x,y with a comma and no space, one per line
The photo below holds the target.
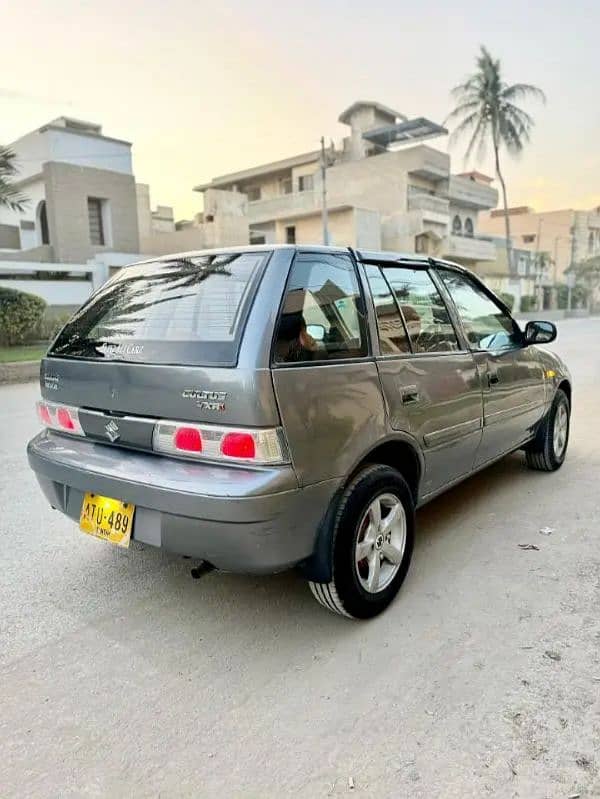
250,609
288,593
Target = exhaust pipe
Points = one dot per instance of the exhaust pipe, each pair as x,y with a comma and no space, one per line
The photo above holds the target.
204,567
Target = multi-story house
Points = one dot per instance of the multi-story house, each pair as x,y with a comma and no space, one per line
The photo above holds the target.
528,277
84,213
385,188
568,236
81,195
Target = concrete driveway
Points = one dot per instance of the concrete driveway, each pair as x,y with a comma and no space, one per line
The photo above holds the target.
120,676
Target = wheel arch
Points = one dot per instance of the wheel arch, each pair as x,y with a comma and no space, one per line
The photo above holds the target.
565,386
398,451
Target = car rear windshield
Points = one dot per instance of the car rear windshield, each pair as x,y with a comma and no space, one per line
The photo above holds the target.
188,310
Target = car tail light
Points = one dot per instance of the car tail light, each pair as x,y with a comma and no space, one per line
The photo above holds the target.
188,439
59,417
215,443
238,445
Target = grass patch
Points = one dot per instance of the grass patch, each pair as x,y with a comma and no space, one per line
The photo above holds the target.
27,352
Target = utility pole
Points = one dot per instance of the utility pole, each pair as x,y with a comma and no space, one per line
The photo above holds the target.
538,268
324,193
571,275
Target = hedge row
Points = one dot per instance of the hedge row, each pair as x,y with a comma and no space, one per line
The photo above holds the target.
19,314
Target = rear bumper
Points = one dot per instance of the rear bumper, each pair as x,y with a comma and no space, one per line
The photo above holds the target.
243,520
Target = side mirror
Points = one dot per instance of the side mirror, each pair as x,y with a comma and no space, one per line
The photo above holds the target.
540,332
316,331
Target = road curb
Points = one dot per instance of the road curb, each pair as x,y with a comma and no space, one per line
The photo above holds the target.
19,372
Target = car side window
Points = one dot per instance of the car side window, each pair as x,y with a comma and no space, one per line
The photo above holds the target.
393,338
425,314
487,325
320,317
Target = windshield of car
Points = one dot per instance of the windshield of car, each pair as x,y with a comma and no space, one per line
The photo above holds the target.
188,310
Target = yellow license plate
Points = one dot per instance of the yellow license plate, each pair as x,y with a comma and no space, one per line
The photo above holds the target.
107,518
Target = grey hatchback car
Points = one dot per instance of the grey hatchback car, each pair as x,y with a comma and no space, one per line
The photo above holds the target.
263,408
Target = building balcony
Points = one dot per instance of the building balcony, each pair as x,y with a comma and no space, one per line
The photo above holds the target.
430,206
469,248
468,193
427,163
283,206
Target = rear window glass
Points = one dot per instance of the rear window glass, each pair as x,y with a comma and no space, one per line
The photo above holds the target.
185,311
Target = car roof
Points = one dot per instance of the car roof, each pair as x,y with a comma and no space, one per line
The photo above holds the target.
382,257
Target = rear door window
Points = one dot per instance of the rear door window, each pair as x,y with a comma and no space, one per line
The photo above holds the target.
189,310
321,317
425,314
393,338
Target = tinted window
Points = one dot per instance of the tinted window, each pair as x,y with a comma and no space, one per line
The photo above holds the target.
320,317
425,315
392,333
186,310
486,325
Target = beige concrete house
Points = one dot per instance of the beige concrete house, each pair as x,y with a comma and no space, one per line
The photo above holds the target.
386,189
81,195
566,235
529,275
83,214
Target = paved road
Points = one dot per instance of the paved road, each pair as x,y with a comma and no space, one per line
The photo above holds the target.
120,676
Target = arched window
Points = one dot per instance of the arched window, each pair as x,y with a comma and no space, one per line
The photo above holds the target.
469,227
457,226
42,223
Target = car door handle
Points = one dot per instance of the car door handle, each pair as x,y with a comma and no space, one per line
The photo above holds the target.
493,378
410,394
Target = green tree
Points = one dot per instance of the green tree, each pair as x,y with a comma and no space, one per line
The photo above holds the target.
588,273
10,196
487,111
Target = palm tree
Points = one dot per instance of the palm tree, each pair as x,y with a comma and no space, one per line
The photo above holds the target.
486,111
10,196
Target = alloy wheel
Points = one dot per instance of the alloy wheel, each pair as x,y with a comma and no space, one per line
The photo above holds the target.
381,543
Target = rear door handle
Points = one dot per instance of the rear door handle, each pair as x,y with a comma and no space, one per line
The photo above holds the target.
410,394
493,378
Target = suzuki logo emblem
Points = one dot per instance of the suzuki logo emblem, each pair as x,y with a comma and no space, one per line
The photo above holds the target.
112,431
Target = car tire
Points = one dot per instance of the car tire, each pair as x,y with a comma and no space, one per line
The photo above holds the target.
373,539
548,450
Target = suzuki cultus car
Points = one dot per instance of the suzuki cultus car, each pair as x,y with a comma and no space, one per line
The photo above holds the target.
265,408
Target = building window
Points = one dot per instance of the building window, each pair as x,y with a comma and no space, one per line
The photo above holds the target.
95,221
290,234
42,215
285,185
529,238
422,243
457,226
305,183
253,194
469,227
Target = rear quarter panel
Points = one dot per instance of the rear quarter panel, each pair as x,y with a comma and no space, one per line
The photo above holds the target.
332,415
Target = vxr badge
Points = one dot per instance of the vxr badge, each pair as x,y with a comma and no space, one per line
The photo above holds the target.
112,431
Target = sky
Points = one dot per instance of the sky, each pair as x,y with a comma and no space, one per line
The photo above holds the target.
205,88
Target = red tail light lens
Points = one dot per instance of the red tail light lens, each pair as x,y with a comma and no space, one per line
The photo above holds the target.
238,445
63,417
188,439
44,414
